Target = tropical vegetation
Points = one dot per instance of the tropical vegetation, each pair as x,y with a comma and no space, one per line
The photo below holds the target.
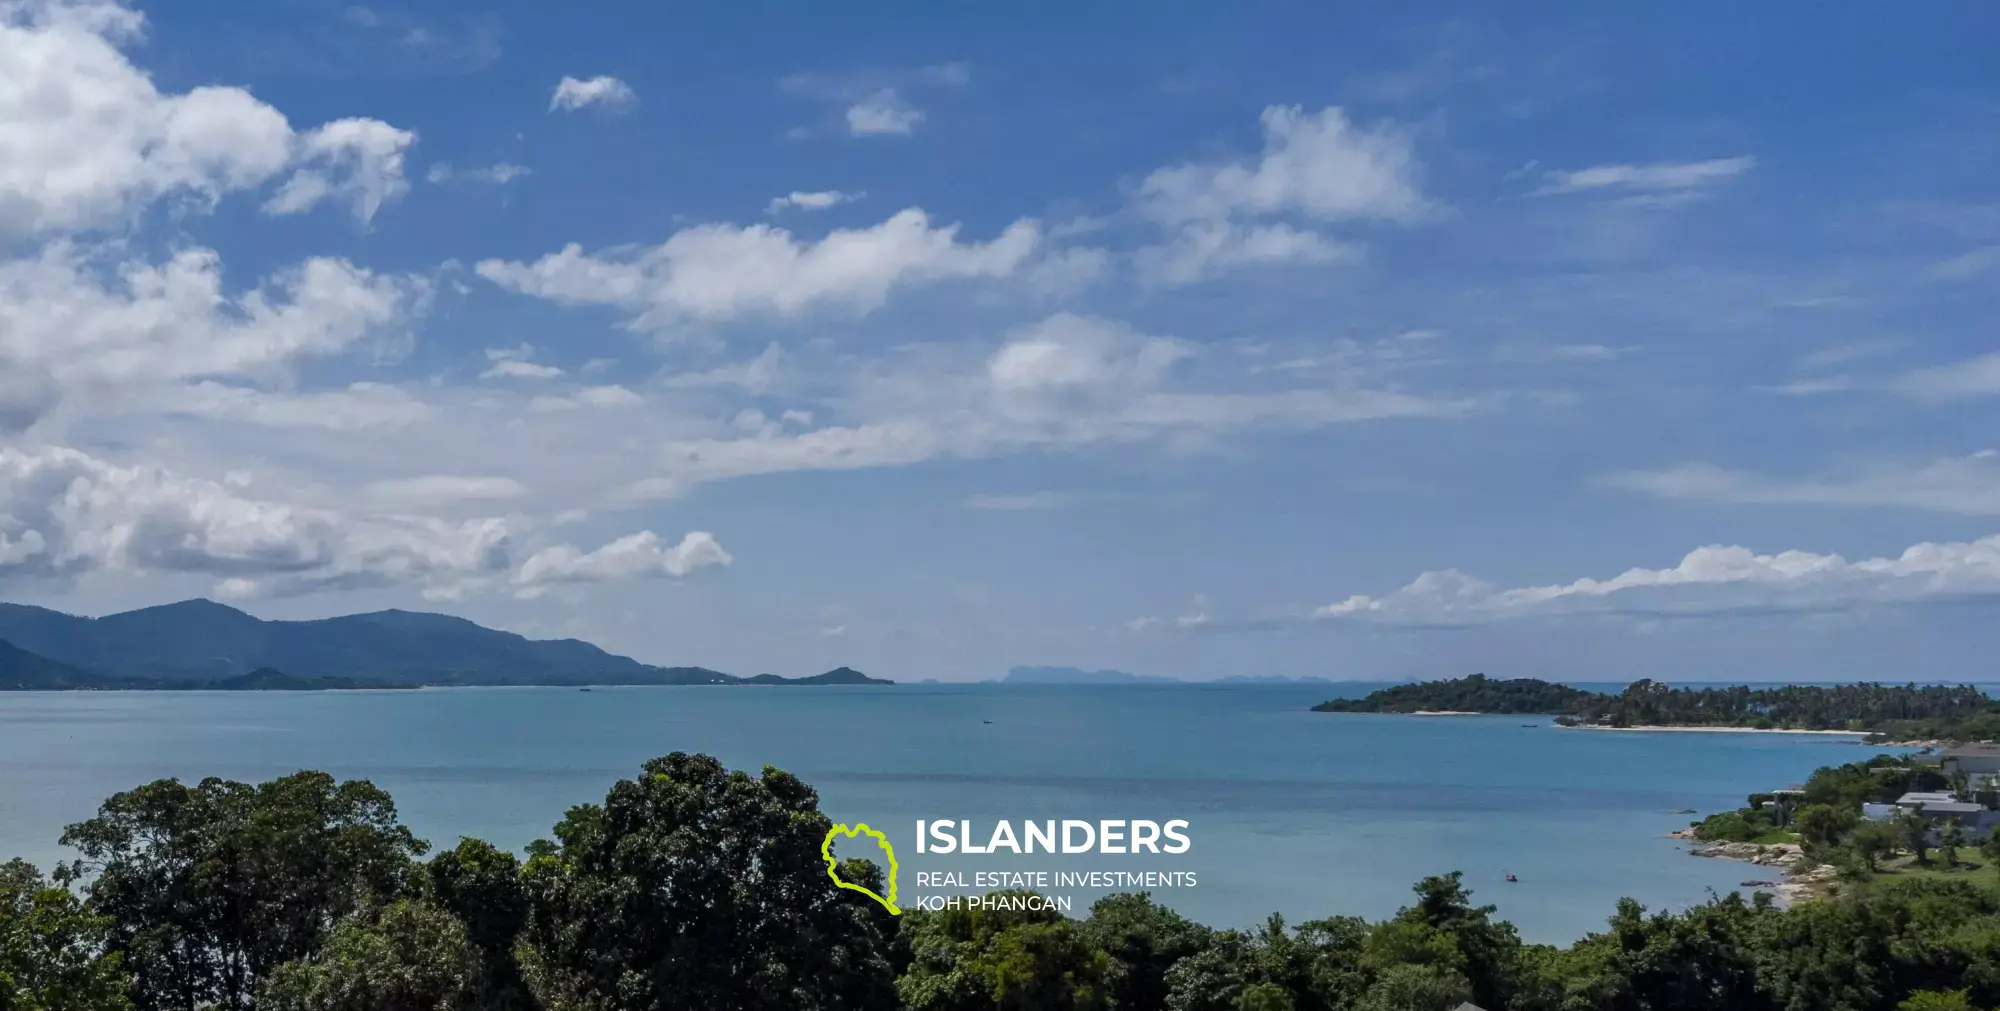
1953,712
690,886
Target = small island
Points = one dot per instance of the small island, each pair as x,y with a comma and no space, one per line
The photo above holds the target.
836,676
1477,694
1884,712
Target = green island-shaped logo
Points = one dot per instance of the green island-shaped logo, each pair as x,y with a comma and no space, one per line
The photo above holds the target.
833,870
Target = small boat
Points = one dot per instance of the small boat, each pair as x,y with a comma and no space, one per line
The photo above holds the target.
1531,724
985,721
1513,879
583,689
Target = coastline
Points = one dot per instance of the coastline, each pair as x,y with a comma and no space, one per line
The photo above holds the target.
1651,729
1443,712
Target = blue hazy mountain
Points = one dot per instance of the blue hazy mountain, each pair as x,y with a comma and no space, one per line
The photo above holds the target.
200,640
1076,676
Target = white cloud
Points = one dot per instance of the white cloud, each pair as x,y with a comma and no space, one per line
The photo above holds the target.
1067,353
514,369
1974,377
433,490
514,363
1713,579
83,325
91,141
883,113
354,408
359,160
499,174
586,397
1317,168
1319,165
817,200
64,513
719,272
1655,178
638,555
1966,485
1205,249
609,92
1016,502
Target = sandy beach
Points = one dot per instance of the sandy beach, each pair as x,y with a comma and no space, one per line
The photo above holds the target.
1721,730
1444,712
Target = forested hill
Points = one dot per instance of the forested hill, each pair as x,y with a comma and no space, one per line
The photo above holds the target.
1960,712
200,643
1475,694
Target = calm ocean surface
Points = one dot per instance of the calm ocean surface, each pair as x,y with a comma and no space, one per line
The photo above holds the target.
1290,811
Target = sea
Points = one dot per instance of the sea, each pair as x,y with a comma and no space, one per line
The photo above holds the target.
1287,811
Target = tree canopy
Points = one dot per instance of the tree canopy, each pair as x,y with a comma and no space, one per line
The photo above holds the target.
694,887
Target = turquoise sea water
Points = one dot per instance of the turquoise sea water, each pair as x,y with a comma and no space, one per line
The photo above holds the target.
1290,811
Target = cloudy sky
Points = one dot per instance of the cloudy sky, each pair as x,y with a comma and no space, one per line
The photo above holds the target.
1260,339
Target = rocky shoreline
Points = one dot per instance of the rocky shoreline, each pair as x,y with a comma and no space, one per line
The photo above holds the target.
1798,880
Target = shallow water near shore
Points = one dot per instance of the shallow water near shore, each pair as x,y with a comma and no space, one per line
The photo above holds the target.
1303,813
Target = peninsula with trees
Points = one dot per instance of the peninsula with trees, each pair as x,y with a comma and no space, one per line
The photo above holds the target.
1902,712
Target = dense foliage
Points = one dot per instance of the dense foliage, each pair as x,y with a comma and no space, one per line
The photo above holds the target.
1955,712
1475,694
693,887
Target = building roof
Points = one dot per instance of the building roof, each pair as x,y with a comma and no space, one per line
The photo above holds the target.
1927,797
1947,807
1974,751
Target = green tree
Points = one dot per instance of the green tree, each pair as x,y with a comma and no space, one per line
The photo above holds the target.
1490,949
1014,959
1873,840
481,885
1821,827
1950,841
412,957
1262,997
1416,988
1937,1000
1989,848
52,948
695,887
210,887
1146,939
1913,830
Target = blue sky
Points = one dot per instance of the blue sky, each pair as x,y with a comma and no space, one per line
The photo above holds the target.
1275,340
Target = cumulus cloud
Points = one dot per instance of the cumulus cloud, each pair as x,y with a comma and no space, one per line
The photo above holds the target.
876,103
817,200
639,555
1967,485
1067,353
356,160
65,513
1654,178
720,272
608,92
91,140
1708,580
515,363
81,323
1318,168
1319,165
884,112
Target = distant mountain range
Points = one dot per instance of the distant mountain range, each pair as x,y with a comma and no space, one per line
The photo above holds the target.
200,643
1078,676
